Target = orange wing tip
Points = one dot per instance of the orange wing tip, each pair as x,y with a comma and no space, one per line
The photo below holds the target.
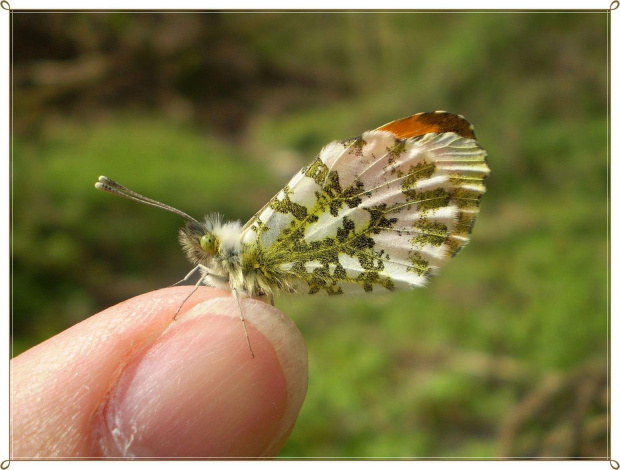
425,123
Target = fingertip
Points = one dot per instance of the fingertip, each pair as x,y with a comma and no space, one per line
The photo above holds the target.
197,391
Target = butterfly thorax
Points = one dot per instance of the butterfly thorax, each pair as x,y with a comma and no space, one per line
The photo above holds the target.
217,249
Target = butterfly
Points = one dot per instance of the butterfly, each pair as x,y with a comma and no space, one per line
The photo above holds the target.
375,213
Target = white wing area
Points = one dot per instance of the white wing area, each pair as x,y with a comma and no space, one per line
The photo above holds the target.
373,213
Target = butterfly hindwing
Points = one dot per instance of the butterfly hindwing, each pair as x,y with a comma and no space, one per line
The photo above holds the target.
375,213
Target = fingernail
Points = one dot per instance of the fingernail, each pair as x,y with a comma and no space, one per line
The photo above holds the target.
196,391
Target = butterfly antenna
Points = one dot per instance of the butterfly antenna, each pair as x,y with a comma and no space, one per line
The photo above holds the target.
112,187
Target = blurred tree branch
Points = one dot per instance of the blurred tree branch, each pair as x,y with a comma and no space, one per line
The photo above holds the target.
560,415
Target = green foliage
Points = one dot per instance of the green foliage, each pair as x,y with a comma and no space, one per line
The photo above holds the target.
80,249
248,99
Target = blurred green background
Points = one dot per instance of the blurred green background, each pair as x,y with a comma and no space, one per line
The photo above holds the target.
504,354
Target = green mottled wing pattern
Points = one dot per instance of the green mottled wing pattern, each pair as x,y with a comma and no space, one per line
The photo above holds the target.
374,213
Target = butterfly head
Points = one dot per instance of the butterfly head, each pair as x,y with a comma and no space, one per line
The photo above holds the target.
199,242
209,243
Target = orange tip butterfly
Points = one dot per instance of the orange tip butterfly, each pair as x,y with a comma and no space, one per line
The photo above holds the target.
378,212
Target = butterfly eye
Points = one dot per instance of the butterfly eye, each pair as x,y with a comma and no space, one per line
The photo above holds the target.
208,243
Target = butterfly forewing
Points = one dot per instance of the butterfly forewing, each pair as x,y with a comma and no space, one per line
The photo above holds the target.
375,213
427,123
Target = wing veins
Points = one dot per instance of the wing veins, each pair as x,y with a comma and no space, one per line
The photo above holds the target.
329,170
391,209
408,203
373,255
377,160
303,223
467,178
387,183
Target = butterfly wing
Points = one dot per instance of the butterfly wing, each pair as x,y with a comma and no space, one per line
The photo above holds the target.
378,212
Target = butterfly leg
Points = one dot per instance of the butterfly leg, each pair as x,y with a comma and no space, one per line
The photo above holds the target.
189,274
247,337
202,278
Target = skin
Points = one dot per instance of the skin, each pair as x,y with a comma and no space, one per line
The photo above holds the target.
130,382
